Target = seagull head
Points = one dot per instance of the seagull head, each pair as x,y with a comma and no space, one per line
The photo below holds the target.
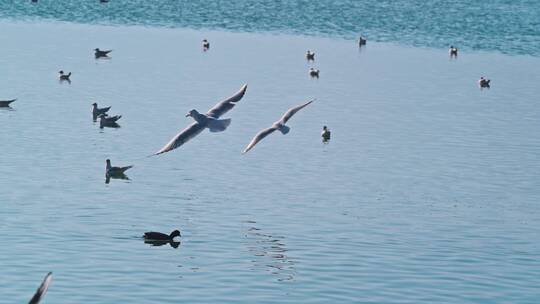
174,234
94,104
96,49
108,162
61,72
192,113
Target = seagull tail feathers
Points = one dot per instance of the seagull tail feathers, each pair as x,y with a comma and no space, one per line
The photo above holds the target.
284,129
218,125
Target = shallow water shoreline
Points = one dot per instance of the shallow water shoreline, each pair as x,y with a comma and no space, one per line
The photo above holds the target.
501,25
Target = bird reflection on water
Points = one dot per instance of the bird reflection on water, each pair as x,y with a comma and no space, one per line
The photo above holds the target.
161,243
108,177
270,253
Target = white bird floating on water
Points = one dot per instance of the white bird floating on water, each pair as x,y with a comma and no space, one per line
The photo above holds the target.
40,292
278,125
202,121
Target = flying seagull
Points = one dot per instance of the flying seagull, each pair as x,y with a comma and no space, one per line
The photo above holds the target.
209,120
40,292
278,125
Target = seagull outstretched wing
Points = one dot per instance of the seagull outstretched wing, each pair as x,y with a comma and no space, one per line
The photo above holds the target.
42,289
195,128
278,125
227,104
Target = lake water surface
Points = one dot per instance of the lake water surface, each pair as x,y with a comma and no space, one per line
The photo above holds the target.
426,193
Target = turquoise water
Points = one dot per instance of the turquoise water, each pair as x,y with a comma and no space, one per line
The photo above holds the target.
507,26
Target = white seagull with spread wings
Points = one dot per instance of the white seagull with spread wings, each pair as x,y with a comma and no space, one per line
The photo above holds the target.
202,121
278,125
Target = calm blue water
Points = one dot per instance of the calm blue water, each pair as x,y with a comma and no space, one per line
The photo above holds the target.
507,26
427,193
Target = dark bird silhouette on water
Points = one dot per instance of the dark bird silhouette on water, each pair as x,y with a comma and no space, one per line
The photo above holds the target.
101,53
98,111
115,171
64,77
310,56
314,73
109,121
160,239
453,51
361,41
325,134
484,83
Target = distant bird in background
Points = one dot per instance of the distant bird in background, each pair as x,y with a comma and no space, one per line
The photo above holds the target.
6,103
453,51
115,171
325,134
103,1
278,125
63,76
40,292
101,53
310,56
98,111
484,83
206,44
314,73
202,121
361,41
